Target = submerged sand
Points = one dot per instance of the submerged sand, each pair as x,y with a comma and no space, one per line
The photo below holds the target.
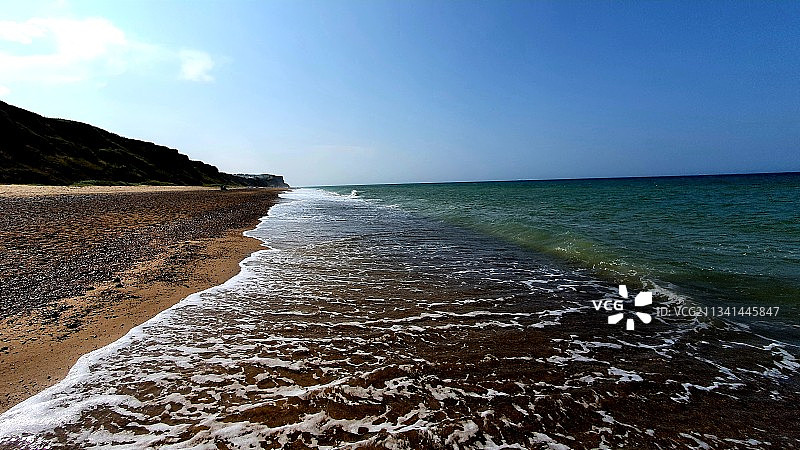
83,265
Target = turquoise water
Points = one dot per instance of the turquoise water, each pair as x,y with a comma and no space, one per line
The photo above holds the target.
720,240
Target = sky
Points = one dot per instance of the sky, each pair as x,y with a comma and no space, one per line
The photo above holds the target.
358,92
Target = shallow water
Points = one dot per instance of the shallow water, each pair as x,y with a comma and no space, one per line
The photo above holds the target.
720,240
365,325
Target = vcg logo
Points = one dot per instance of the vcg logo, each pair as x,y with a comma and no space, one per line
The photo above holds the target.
642,299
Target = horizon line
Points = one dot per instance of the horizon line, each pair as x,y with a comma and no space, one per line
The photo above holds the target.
628,177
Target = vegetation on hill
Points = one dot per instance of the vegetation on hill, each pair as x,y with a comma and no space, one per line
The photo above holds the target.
39,150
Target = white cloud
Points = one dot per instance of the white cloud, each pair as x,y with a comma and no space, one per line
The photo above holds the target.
62,50
4,91
196,65
20,32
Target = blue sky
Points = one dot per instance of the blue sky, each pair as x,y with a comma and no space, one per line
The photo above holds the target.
370,91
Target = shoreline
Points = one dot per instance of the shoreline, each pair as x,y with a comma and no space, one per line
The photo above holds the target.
41,343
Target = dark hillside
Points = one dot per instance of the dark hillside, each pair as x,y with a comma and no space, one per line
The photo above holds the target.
40,150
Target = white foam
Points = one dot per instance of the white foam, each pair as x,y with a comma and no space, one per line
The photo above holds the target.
624,375
317,337
49,408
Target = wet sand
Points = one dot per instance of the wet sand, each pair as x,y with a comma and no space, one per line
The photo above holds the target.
82,266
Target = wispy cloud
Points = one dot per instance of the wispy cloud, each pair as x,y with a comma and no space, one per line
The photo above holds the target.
196,65
66,50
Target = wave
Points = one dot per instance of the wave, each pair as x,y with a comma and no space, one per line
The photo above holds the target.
367,326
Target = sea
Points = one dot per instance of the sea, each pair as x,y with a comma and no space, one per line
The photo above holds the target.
603,313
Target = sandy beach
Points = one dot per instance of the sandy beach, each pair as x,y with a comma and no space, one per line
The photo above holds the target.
26,190
83,265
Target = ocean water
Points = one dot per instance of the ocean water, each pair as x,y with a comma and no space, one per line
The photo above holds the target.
390,317
720,240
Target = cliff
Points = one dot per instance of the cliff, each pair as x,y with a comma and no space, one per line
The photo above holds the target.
263,180
39,150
